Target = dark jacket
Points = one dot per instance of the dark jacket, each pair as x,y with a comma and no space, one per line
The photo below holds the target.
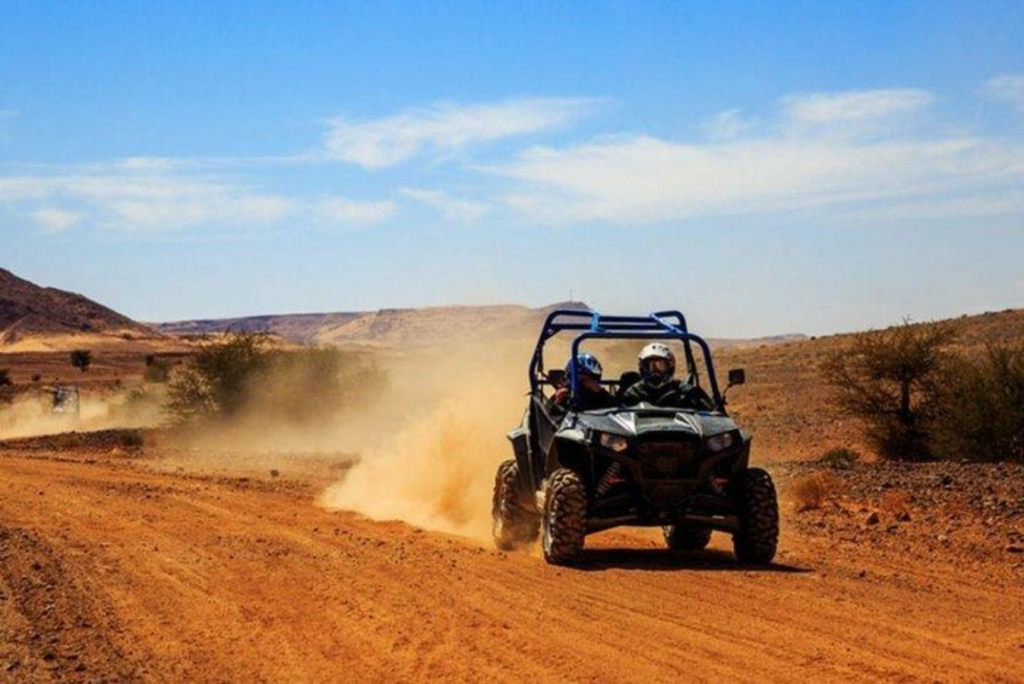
673,394
589,401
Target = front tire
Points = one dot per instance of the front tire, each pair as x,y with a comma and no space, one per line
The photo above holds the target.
757,539
687,537
511,526
564,525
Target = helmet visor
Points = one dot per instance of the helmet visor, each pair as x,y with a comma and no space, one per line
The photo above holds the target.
659,366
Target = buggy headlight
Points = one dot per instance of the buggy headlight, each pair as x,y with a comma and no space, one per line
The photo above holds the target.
614,442
719,442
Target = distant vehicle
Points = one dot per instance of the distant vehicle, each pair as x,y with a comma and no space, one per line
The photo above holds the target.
683,469
66,401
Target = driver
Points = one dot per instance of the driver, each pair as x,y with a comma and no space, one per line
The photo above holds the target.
592,394
658,385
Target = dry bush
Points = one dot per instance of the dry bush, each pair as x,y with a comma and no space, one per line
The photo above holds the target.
891,380
981,408
815,490
840,457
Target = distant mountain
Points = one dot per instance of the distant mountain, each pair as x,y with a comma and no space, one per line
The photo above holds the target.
386,327
46,318
426,326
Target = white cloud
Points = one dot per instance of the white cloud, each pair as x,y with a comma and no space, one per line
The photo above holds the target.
147,202
445,128
727,125
857,106
55,220
348,211
1009,88
645,179
450,208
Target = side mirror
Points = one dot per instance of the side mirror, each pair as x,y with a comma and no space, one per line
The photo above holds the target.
737,376
556,377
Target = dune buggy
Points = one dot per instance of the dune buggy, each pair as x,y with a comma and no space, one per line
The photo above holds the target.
577,472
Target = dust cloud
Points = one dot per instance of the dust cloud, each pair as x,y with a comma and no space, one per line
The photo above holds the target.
438,439
31,414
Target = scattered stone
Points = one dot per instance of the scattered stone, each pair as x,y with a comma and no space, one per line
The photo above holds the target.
872,518
275,473
1014,548
903,516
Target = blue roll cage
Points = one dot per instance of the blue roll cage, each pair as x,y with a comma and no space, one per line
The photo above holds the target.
660,325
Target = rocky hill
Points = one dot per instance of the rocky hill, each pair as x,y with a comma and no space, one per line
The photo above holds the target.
34,317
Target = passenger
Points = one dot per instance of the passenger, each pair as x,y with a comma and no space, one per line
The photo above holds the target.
658,385
592,394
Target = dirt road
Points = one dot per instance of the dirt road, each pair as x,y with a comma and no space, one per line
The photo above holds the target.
111,569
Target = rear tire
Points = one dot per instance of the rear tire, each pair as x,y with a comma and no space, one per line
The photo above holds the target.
564,525
758,537
511,526
687,537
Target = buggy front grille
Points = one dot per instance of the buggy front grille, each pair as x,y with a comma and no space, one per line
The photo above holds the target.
668,460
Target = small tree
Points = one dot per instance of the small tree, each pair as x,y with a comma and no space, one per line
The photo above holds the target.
890,380
215,382
981,408
81,359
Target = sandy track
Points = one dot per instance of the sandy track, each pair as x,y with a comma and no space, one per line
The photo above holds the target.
114,571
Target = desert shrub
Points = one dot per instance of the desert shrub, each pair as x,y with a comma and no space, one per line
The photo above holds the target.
5,378
890,381
81,359
242,376
839,458
214,383
813,491
981,409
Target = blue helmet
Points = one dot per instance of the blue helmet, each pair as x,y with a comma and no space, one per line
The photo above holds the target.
587,364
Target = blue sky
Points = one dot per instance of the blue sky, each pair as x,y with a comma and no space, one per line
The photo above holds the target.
768,167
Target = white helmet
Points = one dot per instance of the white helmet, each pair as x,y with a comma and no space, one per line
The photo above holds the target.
657,364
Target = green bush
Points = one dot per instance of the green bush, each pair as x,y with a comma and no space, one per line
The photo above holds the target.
242,376
890,380
981,408
215,382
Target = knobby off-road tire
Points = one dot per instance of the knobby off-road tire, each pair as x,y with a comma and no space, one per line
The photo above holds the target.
564,525
687,537
758,536
512,526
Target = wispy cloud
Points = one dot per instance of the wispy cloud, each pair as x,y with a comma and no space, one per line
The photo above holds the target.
727,125
854,106
142,202
1009,88
648,179
345,211
445,128
450,208
55,220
